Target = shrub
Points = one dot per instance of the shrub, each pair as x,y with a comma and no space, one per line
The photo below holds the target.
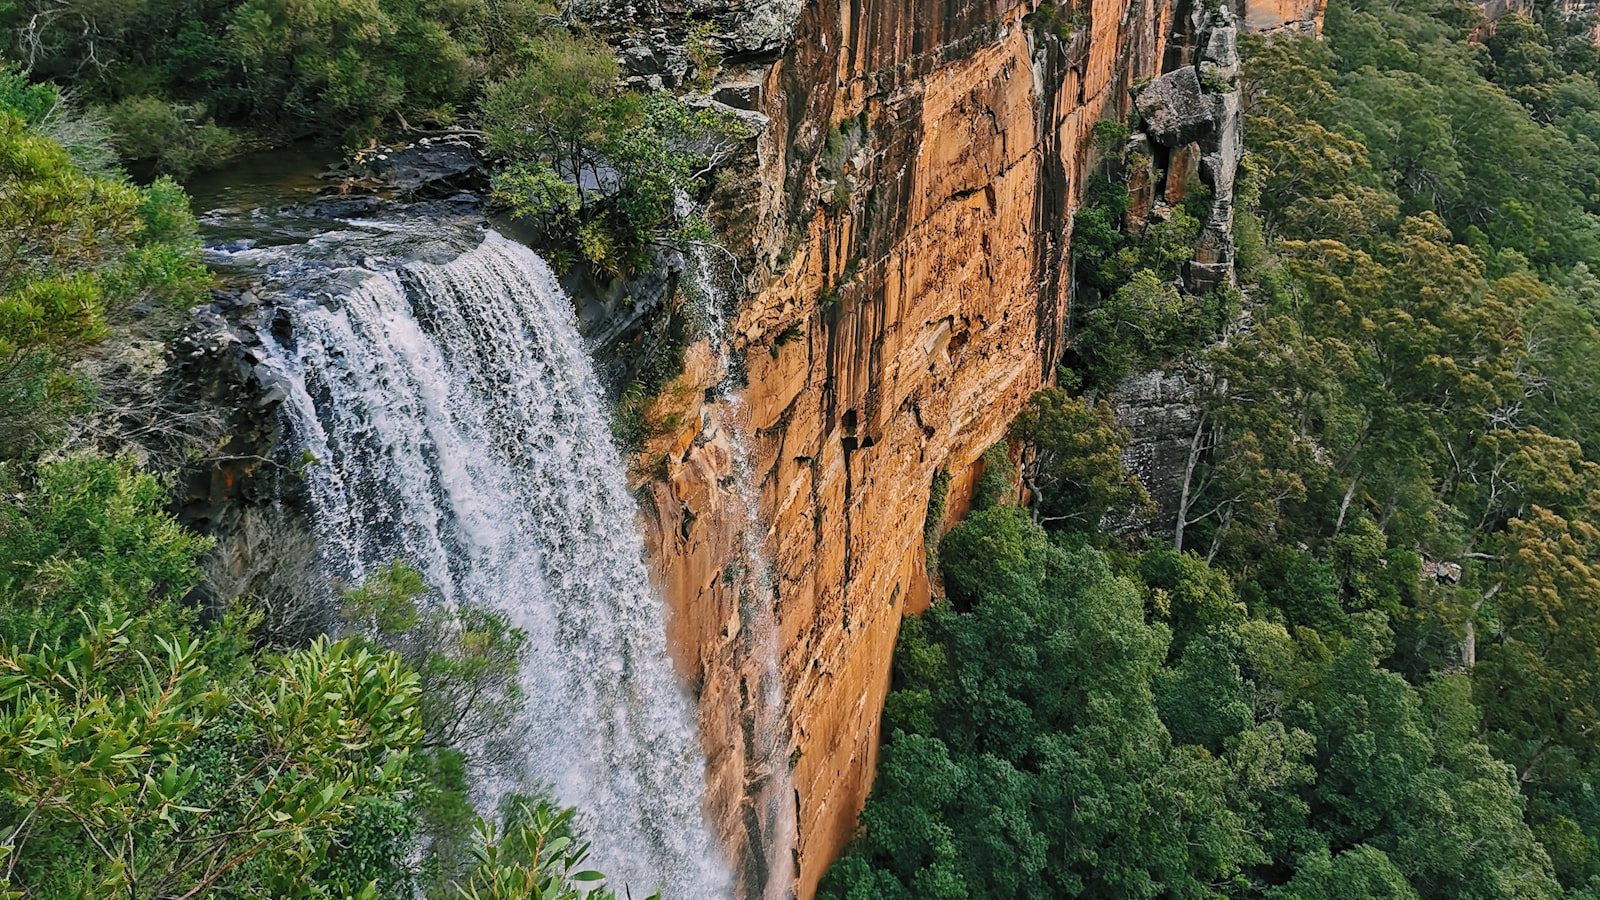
997,484
178,139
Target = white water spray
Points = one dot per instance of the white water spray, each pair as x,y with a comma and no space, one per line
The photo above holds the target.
458,425
758,598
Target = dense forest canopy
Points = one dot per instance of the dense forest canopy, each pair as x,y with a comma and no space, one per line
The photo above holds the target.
1362,660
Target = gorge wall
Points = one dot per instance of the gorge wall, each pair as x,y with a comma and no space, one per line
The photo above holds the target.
906,230
901,239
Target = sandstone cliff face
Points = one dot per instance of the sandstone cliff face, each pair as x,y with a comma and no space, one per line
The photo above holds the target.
905,230
1275,16
902,237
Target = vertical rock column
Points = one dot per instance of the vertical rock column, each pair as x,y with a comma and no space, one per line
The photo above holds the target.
1192,113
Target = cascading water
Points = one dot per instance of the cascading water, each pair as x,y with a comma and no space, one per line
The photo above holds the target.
458,425
770,778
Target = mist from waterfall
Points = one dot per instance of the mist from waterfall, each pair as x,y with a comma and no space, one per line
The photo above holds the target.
457,424
758,596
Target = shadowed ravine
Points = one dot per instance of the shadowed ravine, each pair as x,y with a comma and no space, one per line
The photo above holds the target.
457,424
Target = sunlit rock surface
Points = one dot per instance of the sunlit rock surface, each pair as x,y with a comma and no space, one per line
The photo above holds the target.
900,251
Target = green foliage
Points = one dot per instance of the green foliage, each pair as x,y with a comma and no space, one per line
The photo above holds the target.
1074,471
1025,755
938,500
1131,310
1110,136
1429,211
1061,730
996,543
147,752
140,747
466,656
149,748
1051,20
534,854
92,533
82,252
1360,871
997,483
193,70
597,168
179,139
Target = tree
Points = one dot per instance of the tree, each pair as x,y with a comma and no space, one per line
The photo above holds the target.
1358,872
1536,683
1075,474
147,754
599,169
1025,755
467,657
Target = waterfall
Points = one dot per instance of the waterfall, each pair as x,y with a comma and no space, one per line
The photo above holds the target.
771,777
457,424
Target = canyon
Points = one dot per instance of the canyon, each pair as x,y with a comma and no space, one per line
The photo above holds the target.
900,261
896,283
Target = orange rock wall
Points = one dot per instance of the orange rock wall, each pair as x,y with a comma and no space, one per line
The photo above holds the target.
1273,16
903,303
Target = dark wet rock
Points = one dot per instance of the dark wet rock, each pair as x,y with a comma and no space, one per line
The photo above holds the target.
739,30
346,206
217,360
429,169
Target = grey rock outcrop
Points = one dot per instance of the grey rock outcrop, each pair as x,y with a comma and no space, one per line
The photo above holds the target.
1160,410
665,43
1192,132
430,169
1175,110
1220,152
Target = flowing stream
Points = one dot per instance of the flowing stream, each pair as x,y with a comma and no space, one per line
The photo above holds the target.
457,424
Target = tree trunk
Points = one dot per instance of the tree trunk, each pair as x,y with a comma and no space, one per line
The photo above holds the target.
1188,481
1469,640
1344,505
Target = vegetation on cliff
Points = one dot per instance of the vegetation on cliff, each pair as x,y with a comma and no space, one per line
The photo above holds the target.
1362,659
183,80
180,85
598,168
1078,722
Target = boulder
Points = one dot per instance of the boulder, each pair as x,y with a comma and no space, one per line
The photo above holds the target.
1175,110
745,95
1219,53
